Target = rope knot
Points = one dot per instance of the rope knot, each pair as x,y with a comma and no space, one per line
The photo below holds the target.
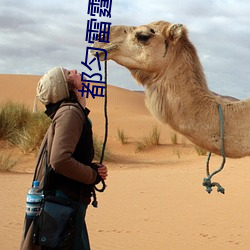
207,181
208,184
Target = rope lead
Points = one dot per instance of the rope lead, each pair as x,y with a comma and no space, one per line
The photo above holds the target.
94,202
207,181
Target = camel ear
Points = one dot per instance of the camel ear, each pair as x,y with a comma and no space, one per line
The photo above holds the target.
174,32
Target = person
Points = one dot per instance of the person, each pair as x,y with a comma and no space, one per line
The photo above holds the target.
70,146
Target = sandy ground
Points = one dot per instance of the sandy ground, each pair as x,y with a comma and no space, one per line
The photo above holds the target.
154,200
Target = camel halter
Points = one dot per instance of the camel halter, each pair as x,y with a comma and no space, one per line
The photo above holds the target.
94,202
207,181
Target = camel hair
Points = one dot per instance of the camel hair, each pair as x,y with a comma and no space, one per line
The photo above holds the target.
161,57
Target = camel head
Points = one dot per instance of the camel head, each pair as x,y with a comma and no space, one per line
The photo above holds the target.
145,50
161,58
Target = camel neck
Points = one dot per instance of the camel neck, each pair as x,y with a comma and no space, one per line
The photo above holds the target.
189,108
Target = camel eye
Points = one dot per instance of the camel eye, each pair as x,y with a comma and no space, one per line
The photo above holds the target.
142,37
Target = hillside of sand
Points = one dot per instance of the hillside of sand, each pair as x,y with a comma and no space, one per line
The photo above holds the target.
154,199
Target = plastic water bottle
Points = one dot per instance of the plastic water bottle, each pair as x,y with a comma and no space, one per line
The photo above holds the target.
34,200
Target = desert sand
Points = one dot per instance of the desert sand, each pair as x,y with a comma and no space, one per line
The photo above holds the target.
154,199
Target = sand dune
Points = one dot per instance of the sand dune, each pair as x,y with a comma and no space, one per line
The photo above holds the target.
154,199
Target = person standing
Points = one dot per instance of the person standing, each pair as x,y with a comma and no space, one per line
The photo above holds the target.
70,145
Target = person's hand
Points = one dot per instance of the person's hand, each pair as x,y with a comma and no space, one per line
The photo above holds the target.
101,170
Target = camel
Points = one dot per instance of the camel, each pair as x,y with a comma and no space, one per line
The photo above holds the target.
161,57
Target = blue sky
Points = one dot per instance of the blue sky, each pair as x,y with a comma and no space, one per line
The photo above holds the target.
37,35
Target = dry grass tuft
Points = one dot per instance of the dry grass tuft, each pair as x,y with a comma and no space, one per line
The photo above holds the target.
7,162
121,136
200,151
21,127
147,142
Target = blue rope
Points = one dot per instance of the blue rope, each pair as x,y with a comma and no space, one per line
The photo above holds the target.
207,181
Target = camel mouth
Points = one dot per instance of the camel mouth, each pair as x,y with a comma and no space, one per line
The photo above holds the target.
108,48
